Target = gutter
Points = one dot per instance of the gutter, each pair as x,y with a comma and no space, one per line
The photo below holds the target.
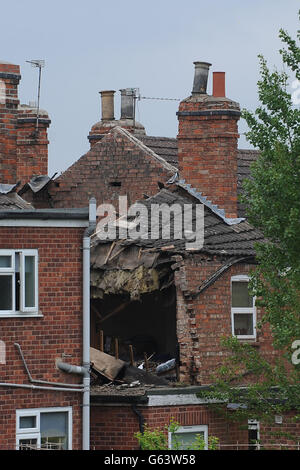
45,214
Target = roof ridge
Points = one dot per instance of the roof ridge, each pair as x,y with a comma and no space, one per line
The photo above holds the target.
213,207
144,148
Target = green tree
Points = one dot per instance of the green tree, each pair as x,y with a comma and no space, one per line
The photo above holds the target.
272,200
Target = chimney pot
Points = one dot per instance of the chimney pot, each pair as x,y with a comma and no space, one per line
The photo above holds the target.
219,84
200,77
127,103
107,105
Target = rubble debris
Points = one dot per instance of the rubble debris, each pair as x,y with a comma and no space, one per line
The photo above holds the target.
131,374
136,383
119,371
166,366
135,283
105,364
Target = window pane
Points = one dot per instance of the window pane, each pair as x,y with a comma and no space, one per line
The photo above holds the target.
27,444
5,261
54,429
53,443
29,281
243,324
184,439
240,295
27,422
6,302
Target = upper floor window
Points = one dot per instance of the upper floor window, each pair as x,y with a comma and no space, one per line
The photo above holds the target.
18,281
243,311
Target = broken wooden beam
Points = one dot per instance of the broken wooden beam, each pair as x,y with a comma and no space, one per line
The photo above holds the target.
101,341
116,348
115,311
131,355
109,252
105,364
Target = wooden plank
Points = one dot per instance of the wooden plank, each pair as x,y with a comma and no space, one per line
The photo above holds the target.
117,253
94,310
146,362
115,311
131,354
109,252
105,364
101,341
116,348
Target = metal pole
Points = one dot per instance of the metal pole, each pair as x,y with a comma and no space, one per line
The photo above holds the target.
38,105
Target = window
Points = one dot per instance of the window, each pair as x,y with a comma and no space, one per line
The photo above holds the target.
45,428
18,282
253,434
185,436
243,312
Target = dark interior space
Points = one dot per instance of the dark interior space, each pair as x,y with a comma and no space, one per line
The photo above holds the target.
148,325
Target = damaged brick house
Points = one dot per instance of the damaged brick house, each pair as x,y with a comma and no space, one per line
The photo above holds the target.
164,301
42,278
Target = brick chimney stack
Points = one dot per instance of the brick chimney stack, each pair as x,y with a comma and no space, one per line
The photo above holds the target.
9,80
23,143
32,143
207,140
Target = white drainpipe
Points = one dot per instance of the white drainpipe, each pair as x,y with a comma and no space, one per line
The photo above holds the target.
84,370
86,326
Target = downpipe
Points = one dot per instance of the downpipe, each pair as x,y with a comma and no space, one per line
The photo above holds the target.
86,325
84,370
46,382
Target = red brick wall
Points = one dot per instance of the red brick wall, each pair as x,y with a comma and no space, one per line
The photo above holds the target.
280,436
207,149
45,339
113,427
205,319
9,79
115,159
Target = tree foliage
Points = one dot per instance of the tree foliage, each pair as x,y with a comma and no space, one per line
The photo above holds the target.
272,196
272,200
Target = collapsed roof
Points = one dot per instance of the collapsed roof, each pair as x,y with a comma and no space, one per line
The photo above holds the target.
142,265
10,200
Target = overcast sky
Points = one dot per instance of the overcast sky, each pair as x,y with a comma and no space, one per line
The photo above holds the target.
95,45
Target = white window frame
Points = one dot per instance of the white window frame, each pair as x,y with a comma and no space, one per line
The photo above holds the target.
23,254
11,254
12,271
255,425
248,310
35,433
20,437
9,271
195,429
24,414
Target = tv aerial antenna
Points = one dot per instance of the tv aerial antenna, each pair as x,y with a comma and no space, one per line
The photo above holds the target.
37,63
